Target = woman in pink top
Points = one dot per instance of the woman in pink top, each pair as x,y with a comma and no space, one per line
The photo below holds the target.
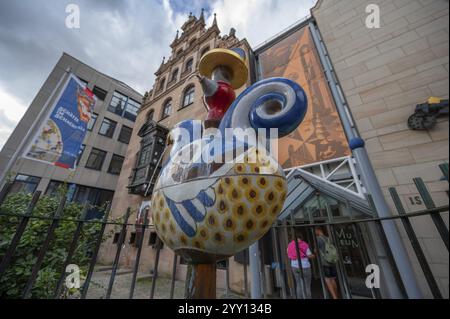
305,254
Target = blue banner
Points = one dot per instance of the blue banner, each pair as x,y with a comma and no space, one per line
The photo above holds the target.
59,139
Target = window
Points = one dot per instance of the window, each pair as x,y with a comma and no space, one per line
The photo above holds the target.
54,188
116,164
96,159
179,52
92,121
150,115
83,81
221,264
107,128
189,65
174,76
192,43
161,84
140,174
118,102
131,110
152,239
167,109
204,51
116,238
123,106
132,240
144,155
25,183
80,153
125,134
188,97
97,197
99,93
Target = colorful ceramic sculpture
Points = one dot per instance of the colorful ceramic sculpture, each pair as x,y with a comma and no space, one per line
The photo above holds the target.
206,207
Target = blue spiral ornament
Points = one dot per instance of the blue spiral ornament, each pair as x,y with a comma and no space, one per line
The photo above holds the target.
272,103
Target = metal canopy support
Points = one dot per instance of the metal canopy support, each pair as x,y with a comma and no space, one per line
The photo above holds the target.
371,183
303,184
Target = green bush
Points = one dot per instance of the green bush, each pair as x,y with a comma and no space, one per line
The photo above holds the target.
13,281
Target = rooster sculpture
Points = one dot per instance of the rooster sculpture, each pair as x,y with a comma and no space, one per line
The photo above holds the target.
216,195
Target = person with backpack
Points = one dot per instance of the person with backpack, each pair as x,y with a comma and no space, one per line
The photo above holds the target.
329,257
305,255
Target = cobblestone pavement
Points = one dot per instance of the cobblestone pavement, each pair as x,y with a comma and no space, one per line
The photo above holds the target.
122,284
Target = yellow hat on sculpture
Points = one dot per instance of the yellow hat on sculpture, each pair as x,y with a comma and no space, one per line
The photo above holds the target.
234,60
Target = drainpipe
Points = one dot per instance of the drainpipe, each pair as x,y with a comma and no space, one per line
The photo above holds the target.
370,181
253,251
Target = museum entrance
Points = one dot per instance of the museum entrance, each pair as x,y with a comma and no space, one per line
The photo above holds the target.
337,221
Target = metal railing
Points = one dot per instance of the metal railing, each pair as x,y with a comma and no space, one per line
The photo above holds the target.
359,226
282,230
274,258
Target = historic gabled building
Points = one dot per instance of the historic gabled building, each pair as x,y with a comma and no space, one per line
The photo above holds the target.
176,95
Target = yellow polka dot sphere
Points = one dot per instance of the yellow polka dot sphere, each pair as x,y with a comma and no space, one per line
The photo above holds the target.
207,219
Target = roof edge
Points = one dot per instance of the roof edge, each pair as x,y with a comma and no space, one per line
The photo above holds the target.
104,74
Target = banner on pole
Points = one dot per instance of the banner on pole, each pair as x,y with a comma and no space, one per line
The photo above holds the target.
59,138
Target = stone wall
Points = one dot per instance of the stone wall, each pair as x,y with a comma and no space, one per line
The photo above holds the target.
384,73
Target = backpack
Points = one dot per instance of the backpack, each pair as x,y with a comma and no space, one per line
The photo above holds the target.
330,254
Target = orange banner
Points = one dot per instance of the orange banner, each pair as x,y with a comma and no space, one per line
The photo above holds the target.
320,136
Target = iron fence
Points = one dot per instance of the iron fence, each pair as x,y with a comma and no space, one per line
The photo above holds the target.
277,277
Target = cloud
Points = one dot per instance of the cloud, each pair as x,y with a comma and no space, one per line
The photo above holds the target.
5,121
125,39
11,110
258,20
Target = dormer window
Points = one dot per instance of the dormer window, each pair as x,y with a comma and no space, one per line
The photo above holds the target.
161,84
174,75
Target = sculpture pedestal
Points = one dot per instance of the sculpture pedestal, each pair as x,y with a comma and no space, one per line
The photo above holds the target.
201,281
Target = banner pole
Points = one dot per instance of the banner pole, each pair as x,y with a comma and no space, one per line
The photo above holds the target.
25,140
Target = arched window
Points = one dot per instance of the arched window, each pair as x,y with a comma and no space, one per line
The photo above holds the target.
189,65
167,109
150,115
188,96
204,51
174,75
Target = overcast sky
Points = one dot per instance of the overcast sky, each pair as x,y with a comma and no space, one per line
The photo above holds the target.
125,39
